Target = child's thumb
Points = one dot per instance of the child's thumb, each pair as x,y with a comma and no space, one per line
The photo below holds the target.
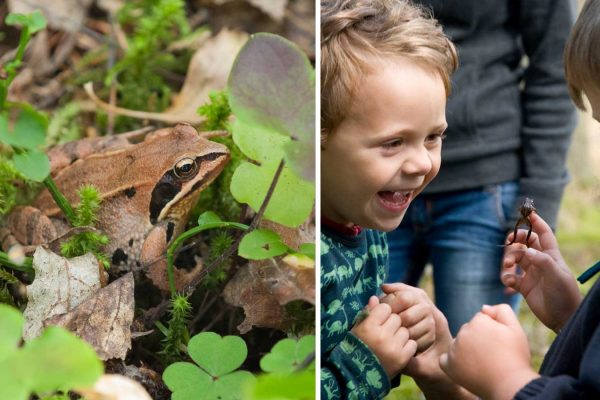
501,313
373,301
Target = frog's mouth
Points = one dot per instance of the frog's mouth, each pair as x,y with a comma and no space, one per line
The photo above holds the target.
171,195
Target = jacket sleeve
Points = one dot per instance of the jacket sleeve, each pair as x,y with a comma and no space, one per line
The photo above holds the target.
549,116
351,371
565,387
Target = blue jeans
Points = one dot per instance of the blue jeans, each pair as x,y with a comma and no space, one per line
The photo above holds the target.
461,234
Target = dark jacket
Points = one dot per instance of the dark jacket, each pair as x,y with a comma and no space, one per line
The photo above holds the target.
571,368
509,116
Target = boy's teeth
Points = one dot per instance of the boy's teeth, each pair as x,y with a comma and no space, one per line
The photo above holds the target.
394,197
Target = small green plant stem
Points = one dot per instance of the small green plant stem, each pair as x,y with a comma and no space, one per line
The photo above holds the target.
188,234
27,265
306,362
60,199
12,72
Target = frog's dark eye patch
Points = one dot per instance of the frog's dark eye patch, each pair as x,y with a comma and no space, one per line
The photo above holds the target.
162,194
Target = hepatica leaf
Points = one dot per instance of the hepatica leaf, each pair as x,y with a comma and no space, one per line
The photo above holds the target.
288,354
56,360
272,94
291,202
33,164
28,132
261,244
214,375
272,84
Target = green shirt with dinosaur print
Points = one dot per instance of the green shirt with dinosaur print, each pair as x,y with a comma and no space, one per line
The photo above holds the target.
353,267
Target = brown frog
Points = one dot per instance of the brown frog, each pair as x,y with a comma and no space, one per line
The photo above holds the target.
525,210
148,185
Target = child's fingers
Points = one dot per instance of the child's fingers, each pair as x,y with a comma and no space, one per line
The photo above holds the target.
444,364
533,241
423,333
408,351
501,313
415,314
392,324
405,343
512,280
546,236
394,287
373,301
401,300
379,314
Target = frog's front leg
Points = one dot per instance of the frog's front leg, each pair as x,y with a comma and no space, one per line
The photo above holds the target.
154,256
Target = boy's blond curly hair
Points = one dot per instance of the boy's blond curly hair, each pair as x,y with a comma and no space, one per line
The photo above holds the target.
356,33
582,53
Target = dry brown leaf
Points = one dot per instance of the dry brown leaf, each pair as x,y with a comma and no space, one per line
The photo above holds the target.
104,320
292,279
208,70
115,387
292,237
274,8
66,15
299,25
247,290
59,286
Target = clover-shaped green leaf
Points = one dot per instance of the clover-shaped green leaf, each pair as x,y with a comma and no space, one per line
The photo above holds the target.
34,21
214,375
261,244
56,360
297,386
288,354
10,334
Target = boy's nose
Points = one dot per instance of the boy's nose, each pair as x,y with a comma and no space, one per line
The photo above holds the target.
418,162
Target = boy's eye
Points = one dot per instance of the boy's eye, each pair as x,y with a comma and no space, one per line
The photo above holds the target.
434,137
392,143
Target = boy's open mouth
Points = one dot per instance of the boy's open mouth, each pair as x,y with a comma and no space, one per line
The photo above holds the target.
394,199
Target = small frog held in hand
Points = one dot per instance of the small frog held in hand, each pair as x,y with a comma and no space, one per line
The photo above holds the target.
526,209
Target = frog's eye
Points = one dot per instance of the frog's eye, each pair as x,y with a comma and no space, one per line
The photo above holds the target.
185,168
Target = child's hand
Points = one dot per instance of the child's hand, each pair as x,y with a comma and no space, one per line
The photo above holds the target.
416,311
546,283
490,355
382,333
424,367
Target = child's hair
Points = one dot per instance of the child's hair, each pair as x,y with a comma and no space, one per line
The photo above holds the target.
582,54
354,33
